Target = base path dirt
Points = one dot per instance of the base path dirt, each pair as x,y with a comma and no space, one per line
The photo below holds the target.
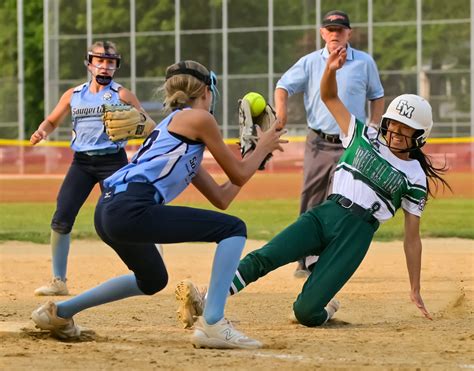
376,327
262,186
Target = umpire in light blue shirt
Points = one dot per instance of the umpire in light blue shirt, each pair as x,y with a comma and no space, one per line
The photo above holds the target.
358,82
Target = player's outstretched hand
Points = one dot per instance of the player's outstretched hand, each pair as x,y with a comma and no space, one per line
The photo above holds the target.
337,58
418,301
270,139
38,136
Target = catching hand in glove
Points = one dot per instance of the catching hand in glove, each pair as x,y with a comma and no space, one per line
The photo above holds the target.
124,122
248,133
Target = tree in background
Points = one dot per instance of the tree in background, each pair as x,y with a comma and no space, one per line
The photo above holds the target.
445,45
33,59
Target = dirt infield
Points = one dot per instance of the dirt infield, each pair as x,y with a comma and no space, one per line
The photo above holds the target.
263,186
376,327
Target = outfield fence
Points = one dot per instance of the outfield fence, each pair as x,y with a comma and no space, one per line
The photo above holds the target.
54,158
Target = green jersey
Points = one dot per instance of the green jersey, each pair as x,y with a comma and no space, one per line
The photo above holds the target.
369,172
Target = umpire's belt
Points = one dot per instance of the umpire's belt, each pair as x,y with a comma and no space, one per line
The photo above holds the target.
365,214
328,137
135,187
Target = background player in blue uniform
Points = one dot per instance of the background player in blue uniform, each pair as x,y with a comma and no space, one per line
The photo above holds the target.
380,171
132,213
95,155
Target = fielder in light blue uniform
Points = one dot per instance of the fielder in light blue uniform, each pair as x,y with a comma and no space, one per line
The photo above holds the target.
88,135
166,161
133,212
95,155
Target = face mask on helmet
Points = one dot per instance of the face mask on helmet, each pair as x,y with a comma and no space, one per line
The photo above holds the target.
412,111
108,54
210,81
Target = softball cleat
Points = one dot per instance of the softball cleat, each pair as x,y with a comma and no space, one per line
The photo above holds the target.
332,307
57,287
221,335
191,303
46,318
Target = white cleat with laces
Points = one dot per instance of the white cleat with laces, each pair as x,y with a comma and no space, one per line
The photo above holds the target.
221,335
57,287
46,318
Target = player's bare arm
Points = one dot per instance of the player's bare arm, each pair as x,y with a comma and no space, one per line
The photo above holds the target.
201,125
328,89
376,110
413,248
281,105
239,172
54,119
220,195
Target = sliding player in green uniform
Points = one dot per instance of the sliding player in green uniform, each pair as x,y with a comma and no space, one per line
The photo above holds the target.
379,172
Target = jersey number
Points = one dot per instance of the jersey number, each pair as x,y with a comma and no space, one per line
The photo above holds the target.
146,145
173,156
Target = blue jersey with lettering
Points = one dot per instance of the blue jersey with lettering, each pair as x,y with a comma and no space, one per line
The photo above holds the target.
86,110
167,161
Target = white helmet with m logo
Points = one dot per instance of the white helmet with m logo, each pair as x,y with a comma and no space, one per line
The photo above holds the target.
413,111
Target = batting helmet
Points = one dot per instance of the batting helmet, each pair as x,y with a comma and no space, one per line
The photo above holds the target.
413,111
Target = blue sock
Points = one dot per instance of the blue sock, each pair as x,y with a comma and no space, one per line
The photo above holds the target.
115,289
60,250
226,261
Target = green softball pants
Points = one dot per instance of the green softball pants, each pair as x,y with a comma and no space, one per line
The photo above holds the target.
340,238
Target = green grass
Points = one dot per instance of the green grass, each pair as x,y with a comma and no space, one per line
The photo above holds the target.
442,218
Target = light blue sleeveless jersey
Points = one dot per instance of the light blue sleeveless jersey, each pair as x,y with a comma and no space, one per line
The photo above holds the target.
86,110
163,160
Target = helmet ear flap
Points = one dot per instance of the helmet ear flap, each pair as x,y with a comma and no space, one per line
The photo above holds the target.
384,126
87,58
418,138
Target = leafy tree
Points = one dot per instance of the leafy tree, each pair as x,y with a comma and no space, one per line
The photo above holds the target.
445,45
33,60
8,60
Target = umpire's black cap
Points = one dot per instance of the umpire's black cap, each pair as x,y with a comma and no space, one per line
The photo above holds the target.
336,18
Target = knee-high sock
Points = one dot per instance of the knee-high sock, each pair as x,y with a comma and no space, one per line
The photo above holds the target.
60,250
115,289
224,266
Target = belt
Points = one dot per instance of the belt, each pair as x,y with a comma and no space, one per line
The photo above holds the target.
330,138
102,152
134,187
364,214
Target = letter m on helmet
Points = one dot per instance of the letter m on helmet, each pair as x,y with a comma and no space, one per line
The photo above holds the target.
405,109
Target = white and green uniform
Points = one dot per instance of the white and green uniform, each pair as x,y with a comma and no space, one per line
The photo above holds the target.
370,184
369,172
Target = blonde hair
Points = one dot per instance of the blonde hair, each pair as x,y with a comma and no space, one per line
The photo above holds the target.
180,89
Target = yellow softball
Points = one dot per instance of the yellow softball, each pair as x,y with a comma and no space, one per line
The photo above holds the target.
257,103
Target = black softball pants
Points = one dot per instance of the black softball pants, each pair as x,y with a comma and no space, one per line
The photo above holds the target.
83,174
132,221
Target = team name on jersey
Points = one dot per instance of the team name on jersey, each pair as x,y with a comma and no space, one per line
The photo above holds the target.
380,172
87,111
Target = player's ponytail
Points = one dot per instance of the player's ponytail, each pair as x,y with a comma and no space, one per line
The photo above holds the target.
184,83
434,174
